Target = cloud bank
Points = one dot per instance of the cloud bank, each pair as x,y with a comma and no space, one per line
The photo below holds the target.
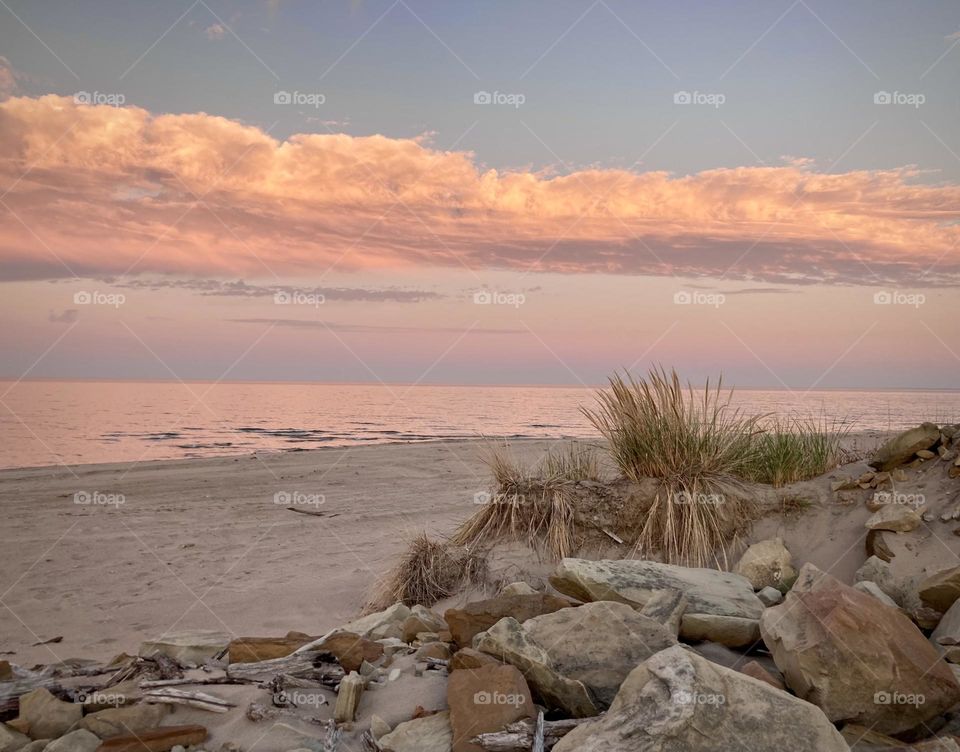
102,190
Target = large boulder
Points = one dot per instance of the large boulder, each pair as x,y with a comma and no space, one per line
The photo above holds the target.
677,701
895,518
47,717
351,650
859,660
595,645
941,590
767,564
195,646
477,616
130,719
80,740
380,623
428,734
11,740
485,699
635,583
904,446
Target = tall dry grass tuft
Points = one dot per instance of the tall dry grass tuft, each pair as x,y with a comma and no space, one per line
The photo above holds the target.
429,571
697,445
531,504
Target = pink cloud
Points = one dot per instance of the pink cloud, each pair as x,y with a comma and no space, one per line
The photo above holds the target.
114,190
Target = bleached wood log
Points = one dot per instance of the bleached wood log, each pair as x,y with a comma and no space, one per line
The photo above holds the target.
519,736
538,734
199,700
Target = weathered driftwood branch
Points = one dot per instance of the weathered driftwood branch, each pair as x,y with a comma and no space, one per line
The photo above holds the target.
294,665
151,684
369,743
520,736
156,740
257,712
199,700
11,691
538,733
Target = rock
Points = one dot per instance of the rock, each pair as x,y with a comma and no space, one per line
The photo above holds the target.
902,590
46,716
10,740
470,658
634,582
732,631
351,650
38,745
947,633
6,671
770,596
477,616
677,701
862,739
897,518
508,641
859,660
876,545
166,737
940,590
926,454
431,733
518,588
666,607
485,699
438,650
872,588
766,564
365,625
126,720
195,646
421,619
378,726
595,645
904,446
80,740
758,672
256,649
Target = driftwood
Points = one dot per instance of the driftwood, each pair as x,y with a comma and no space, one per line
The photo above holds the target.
369,743
538,741
313,513
192,699
293,664
152,684
520,736
257,712
348,698
156,740
11,691
331,742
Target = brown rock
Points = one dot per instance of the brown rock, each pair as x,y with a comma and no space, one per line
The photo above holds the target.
351,650
256,649
470,658
156,740
759,673
46,716
438,650
126,720
902,447
857,659
485,699
479,616
877,546
421,619
941,590
897,518
6,672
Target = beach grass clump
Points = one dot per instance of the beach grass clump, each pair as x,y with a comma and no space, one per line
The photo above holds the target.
791,450
532,504
429,571
696,444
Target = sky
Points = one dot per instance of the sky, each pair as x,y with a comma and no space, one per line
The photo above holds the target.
492,193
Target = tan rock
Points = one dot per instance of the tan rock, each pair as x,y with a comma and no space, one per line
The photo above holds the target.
758,672
80,740
366,625
12,740
126,720
767,563
470,658
430,733
518,588
46,716
732,631
897,518
485,699
477,616
189,647
437,650
677,701
351,650
941,590
857,659
904,446
421,619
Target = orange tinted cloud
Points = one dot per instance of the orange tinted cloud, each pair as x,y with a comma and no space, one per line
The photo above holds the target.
115,190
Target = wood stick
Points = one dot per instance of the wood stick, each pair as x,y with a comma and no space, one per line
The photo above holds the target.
199,700
520,736
156,740
537,745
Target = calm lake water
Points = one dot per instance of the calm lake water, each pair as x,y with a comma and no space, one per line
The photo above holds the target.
50,422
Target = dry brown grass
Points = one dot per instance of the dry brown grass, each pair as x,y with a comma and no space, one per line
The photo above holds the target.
429,571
